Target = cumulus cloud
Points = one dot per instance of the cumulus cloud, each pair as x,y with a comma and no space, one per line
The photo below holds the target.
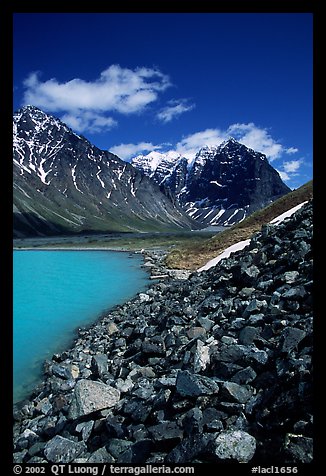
284,176
249,134
117,89
292,166
252,136
175,108
291,150
88,121
257,138
127,151
290,169
190,145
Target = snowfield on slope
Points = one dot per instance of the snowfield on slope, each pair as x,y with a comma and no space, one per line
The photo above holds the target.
242,244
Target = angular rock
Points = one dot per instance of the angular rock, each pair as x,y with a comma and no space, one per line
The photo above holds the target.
254,307
137,410
100,364
101,456
112,328
142,296
193,421
37,460
124,385
205,322
299,448
188,449
235,445
136,453
166,431
164,382
212,419
255,355
193,385
161,399
115,426
201,357
236,393
62,371
195,332
154,346
247,335
44,406
229,340
62,450
92,396
291,337
229,353
291,276
85,429
244,376
116,447
36,449
19,456
298,292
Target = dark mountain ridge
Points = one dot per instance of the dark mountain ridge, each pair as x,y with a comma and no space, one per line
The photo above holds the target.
64,184
222,185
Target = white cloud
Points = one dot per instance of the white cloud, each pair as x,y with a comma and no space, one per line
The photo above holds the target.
174,109
284,176
127,151
292,166
88,121
117,89
190,145
291,150
290,169
257,139
248,134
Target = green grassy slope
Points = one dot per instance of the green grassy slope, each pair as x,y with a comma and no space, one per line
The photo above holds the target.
196,254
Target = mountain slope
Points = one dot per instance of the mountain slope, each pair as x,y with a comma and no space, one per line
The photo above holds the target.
221,186
62,183
199,253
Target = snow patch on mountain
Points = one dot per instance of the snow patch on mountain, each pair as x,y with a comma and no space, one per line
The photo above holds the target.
51,163
242,244
221,185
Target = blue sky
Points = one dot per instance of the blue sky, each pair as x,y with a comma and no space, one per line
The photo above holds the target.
136,82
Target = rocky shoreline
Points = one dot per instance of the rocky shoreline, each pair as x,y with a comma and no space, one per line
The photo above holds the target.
212,368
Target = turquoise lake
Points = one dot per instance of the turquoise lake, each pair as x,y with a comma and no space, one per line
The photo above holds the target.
55,292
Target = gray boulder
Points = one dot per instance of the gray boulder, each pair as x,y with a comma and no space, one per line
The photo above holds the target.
193,385
235,445
90,397
62,450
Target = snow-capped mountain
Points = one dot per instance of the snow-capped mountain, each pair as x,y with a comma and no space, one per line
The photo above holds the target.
221,185
62,183
156,164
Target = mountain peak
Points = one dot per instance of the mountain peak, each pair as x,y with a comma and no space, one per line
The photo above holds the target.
222,184
31,110
231,141
208,147
63,183
207,150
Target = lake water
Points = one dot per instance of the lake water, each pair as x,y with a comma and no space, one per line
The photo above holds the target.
57,291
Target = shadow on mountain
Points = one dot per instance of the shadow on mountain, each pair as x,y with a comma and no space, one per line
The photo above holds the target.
30,225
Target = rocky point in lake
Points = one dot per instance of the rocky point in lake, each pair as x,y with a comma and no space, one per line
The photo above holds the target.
214,368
